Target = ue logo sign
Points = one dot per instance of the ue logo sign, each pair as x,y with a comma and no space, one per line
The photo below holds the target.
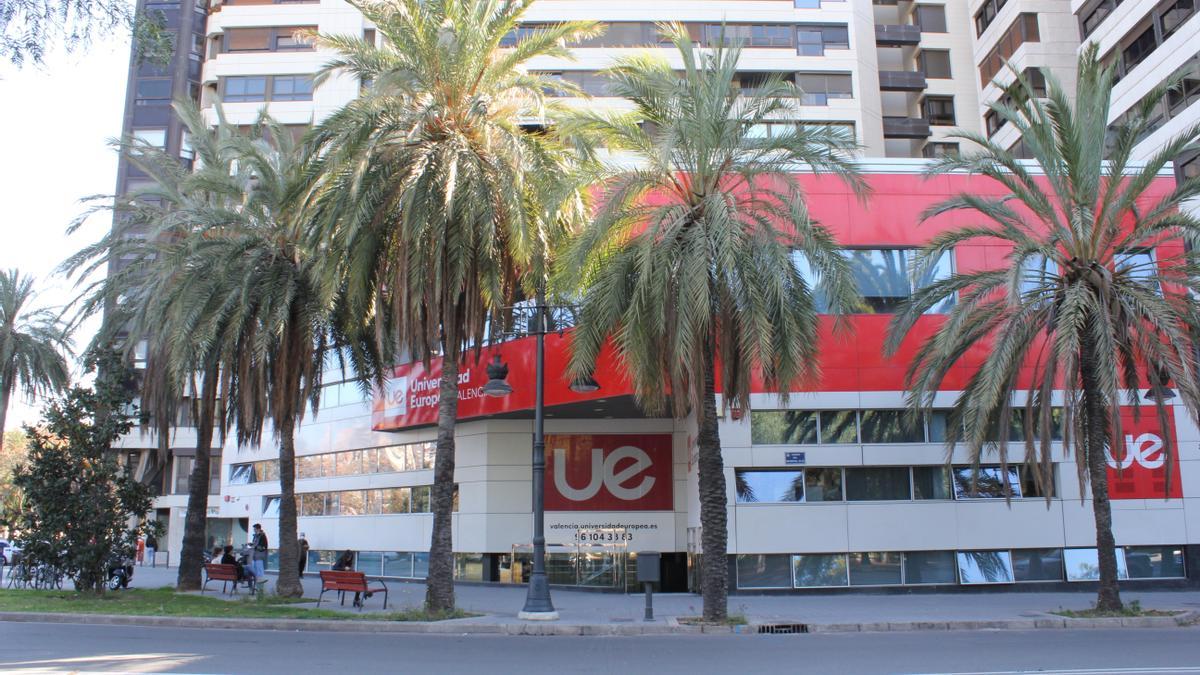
395,396
1145,451
608,472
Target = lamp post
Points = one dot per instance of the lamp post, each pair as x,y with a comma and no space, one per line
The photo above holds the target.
538,606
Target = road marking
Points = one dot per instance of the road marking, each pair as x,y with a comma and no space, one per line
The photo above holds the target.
1077,671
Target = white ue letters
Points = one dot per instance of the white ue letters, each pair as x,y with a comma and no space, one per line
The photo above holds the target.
1145,451
603,473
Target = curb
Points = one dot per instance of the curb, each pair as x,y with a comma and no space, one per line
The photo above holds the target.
669,627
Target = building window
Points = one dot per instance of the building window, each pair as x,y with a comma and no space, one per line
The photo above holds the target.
154,137
813,40
749,35
819,570
245,89
1083,564
769,486
186,151
874,484
874,569
929,567
369,36
883,280
807,4
1174,14
822,485
939,110
935,63
151,91
292,88
820,88
937,149
1024,29
988,483
1136,51
764,571
1154,562
271,507
890,426
931,483
1037,564
810,427
930,18
984,567
986,14
1188,168
1096,16
993,122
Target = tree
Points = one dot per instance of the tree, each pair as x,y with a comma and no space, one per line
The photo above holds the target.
78,499
33,344
419,190
30,28
12,455
690,266
1076,303
147,299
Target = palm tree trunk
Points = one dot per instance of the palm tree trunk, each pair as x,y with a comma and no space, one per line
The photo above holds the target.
5,394
439,585
714,582
288,584
1096,439
191,558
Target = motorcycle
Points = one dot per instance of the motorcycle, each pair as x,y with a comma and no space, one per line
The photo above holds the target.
120,573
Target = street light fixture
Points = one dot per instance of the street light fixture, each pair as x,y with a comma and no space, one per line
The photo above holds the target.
538,606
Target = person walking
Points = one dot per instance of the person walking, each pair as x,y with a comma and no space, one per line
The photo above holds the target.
151,548
141,550
303,554
259,559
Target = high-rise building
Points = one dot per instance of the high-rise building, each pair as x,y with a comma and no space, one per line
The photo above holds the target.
831,487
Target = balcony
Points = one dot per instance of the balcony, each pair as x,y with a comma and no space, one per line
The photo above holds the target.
897,35
905,127
901,80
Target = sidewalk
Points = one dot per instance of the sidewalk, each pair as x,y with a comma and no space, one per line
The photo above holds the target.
499,605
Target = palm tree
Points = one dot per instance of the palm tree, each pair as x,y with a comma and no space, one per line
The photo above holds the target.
420,187
1077,302
692,260
33,344
143,293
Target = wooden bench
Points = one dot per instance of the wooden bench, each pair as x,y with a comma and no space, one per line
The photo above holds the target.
350,582
227,574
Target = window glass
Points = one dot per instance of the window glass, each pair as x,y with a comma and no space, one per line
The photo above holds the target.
271,507
397,564
874,569
1154,562
155,137
153,89
931,482
823,485
988,483
351,503
819,570
328,464
247,39
929,567
241,474
877,484
839,426
253,88
1037,564
783,427
882,278
1083,564
292,88
764,571
374,501
769,486
891,426
349,463
311,504
420,565
937,149
265,471
930,18
935,63
939,110
807,4
819,88
420,499
186,150
183,472
1137,265
397,500
392,458
369,562
936,423
984,567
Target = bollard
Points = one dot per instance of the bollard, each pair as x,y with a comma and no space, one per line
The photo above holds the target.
648,564
649,602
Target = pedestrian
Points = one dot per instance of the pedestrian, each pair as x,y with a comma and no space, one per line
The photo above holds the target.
259,560
303,554
141,550
151,548
345,563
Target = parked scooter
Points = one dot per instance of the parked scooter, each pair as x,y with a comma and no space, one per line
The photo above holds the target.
120,573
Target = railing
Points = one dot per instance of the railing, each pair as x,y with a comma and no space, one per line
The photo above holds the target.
897,34
901,80
905,127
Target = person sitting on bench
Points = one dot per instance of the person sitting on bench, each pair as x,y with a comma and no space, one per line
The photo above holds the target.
244,573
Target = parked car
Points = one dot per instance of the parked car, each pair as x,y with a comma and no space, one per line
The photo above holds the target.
10,553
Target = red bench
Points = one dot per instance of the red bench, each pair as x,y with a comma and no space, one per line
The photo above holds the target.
350,582
226,574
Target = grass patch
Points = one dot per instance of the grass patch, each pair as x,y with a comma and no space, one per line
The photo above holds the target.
166,602
1131,609
730,620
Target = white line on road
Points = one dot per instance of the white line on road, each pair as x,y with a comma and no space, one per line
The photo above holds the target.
1078,671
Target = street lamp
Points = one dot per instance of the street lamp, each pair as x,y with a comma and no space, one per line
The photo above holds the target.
538,606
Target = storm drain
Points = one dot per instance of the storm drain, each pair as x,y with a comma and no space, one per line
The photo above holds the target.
783,628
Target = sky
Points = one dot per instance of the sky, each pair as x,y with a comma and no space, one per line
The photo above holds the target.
55,123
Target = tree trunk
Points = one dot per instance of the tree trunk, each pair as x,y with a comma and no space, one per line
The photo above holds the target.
5,394
1096,439
191,558
714,583
439,585
288,584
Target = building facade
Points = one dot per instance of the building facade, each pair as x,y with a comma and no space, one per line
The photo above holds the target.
833,489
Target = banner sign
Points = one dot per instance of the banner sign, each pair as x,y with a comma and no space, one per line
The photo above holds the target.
1139,469
608,472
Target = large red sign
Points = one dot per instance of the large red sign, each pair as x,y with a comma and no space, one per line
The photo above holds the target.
1139,469
608,472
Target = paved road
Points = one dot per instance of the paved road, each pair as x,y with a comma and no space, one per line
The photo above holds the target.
57,648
